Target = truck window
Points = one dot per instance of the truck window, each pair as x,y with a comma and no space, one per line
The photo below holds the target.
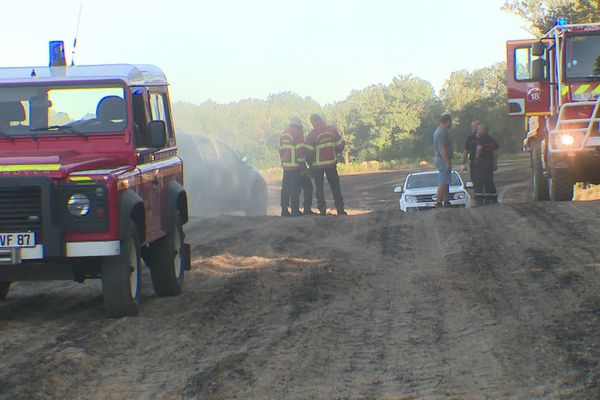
44,109
159,111
525,62
582,57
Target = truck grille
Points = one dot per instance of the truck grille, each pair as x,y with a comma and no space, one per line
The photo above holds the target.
20,209
424,198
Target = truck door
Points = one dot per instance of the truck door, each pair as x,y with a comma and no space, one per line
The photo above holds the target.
526,96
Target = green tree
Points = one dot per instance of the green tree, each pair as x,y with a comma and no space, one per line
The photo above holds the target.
541,15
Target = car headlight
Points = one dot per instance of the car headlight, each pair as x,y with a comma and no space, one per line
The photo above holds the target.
459,195
79,205
410,199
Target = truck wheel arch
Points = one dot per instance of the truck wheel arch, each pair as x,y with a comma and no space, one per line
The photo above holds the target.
132,209
176,197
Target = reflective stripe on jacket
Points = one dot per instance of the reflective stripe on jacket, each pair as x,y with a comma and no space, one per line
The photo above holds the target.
323,144
291,148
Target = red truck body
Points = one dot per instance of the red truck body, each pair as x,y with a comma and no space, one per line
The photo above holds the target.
554,82
86,152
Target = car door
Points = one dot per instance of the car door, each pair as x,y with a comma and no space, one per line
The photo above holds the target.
234,176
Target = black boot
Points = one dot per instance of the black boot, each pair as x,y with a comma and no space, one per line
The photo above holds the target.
308,211
296,213
285,212
341,212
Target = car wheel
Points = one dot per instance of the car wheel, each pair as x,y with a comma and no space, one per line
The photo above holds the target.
166,261
258,201
4,288
122,277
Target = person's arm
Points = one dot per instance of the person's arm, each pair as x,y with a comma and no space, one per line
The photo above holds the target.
497,153
479,152
466,152
464,159
340,143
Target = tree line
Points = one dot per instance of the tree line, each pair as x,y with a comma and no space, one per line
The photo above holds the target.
380,122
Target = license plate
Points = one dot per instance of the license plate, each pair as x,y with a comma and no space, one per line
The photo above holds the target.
593,141
17,240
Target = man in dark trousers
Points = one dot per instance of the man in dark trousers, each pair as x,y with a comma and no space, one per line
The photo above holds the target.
471,151
443,148
323,144
487,152
291,152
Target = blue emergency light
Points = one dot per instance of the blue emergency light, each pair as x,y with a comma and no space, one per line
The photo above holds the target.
562,21
57,53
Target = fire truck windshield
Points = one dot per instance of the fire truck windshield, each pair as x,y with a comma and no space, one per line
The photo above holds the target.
51,109
582,57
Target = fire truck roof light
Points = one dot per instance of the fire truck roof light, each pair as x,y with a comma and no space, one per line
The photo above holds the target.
562,21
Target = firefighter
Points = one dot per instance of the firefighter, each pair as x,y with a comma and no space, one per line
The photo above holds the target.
323,144
471,151
488,151
291,152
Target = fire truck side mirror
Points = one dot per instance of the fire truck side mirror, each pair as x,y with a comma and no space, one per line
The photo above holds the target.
158,134
538,69
537,49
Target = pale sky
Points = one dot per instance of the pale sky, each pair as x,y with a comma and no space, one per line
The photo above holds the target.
229,50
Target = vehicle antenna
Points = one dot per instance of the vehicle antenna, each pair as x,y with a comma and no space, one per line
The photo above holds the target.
76,33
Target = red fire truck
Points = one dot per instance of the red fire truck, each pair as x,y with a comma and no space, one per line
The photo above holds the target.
90,180
554,82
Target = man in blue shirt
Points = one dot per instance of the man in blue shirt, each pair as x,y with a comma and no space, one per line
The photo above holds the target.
443,148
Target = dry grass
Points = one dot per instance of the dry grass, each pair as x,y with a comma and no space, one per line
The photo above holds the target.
353,168
586,192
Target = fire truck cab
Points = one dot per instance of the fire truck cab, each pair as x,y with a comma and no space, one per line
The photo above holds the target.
554,82
90,180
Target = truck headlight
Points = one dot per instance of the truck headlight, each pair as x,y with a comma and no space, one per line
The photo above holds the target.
79,205
410,199
565,140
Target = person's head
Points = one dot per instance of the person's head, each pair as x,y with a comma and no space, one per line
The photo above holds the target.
296,122
446,121
474,126
316,119
482,129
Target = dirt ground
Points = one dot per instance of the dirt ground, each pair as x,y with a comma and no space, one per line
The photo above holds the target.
481,303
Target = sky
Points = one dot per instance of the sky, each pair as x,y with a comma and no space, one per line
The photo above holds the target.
229,50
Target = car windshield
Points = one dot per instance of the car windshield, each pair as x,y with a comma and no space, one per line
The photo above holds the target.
51,109
428,180
582,57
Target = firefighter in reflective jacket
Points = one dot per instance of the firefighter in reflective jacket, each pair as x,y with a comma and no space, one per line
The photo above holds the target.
291,152
323,144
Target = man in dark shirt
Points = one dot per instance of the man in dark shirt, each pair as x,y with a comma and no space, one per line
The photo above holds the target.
471,151
487,152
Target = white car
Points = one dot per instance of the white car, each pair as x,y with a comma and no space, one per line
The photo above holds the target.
420,188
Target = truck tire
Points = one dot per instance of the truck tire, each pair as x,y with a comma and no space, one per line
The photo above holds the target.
561,185
257,202
122,277
166,261
539,180
4,288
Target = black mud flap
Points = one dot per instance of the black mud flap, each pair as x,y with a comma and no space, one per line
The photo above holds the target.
187,257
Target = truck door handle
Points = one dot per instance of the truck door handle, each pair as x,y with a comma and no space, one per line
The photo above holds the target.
155,181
